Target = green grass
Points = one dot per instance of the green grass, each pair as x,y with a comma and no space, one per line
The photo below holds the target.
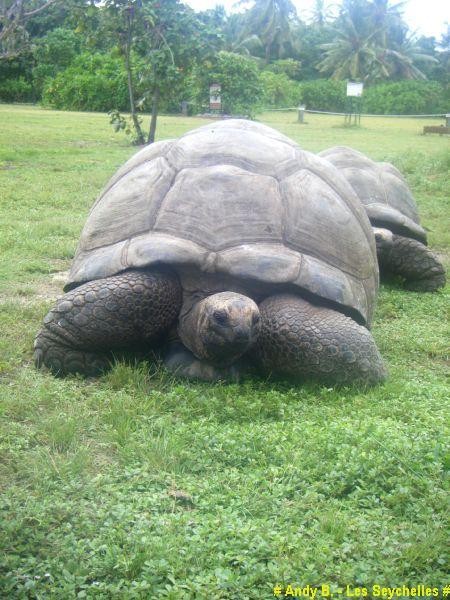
279,483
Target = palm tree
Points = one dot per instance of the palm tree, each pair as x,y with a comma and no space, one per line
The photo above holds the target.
270,21
404,57
320,13
353,53
372,43
236,37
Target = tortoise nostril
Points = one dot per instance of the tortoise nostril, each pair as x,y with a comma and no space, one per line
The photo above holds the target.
241,334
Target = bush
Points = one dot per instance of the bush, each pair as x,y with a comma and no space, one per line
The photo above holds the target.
399,98
278,90
324,94
94,82
16,90
407,97
290,67
53,53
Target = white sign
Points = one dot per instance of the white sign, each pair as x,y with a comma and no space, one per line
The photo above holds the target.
355,88
214,96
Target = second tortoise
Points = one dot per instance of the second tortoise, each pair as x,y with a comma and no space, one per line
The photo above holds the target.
400,238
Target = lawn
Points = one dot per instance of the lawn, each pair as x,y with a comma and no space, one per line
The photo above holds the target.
138,485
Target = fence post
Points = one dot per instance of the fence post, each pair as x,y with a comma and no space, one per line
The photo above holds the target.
301,114
447,120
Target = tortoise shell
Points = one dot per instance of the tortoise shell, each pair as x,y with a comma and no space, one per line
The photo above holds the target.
236,198
382,189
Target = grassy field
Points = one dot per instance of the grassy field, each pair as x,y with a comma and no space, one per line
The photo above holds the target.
136,485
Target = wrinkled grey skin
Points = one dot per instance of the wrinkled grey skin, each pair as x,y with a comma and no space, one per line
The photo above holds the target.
401,241
228,242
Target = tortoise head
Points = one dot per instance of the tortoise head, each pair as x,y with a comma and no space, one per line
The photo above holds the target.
221,327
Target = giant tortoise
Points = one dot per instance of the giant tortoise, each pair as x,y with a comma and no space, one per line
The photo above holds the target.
228,241
401,241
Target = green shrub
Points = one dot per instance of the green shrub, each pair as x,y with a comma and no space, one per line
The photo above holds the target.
401,98
53,53
16,90
94,82
407,97
290,67
324,94
278,90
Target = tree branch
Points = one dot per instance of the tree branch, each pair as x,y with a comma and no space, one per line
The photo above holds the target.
167,45
13,21
38,10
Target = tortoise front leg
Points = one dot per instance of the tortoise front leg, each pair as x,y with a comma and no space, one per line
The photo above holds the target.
183,363
303,340
91,321
421,269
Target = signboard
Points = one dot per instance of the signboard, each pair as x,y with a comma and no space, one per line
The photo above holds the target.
355,88
214,96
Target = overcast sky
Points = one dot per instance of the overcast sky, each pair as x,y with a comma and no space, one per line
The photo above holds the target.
426,16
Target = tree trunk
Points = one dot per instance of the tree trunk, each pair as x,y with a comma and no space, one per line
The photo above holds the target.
140,139
152,131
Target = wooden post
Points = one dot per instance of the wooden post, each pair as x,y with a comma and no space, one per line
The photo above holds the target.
301,114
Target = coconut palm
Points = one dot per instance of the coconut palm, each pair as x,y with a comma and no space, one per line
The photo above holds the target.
372,43
320,13
353,52
270,21
237,39
404,57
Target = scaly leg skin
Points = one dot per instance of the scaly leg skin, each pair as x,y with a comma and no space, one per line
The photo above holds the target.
416,263
312,342
183,363
92,320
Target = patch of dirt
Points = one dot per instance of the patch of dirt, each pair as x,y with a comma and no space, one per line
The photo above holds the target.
49,288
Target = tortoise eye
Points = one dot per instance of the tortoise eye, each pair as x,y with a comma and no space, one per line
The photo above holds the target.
221,317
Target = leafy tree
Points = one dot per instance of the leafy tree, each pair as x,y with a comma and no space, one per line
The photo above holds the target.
169,39
123,23
240,81
14,15
173,42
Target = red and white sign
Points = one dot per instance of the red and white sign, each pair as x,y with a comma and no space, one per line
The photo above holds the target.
214,96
